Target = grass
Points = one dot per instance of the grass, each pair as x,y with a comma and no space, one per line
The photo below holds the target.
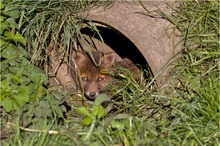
184,112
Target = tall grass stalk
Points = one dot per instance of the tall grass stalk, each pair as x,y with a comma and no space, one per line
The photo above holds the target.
54,24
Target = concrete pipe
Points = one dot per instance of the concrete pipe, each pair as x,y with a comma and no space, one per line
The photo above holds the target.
150,39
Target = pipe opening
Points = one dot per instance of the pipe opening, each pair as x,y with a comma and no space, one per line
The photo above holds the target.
118,42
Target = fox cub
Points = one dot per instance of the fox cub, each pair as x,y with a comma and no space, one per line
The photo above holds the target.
92,82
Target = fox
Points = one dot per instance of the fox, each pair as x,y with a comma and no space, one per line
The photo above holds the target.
90,78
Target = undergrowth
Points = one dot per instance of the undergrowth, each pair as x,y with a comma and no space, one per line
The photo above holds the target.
184,112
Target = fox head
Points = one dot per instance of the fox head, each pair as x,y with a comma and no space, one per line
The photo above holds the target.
92,81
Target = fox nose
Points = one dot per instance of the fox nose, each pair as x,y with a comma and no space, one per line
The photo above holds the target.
92,94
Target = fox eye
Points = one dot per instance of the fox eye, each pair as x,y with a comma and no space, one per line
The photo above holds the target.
85,79
100,79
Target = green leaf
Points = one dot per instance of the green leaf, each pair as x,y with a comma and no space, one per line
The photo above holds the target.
5,10
95,110
19,38
19,101
16,79
98,111
101,98
12,63
4,84
118,125
3,27
14,14
87,121
21,98
1,5
101,112
2,18
7,104
36,75
9,52
2,44
12,23
9,35
83,111
24,92
54,104
43,109
14,96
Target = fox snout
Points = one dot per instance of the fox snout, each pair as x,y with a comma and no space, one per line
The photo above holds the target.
92,90
92,85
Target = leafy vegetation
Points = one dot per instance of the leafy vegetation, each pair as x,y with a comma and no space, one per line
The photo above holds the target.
23,85
185,112
21,82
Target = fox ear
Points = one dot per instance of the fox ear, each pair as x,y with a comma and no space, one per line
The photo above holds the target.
109,59
78,58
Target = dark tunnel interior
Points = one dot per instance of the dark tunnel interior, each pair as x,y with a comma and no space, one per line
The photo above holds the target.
119,43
